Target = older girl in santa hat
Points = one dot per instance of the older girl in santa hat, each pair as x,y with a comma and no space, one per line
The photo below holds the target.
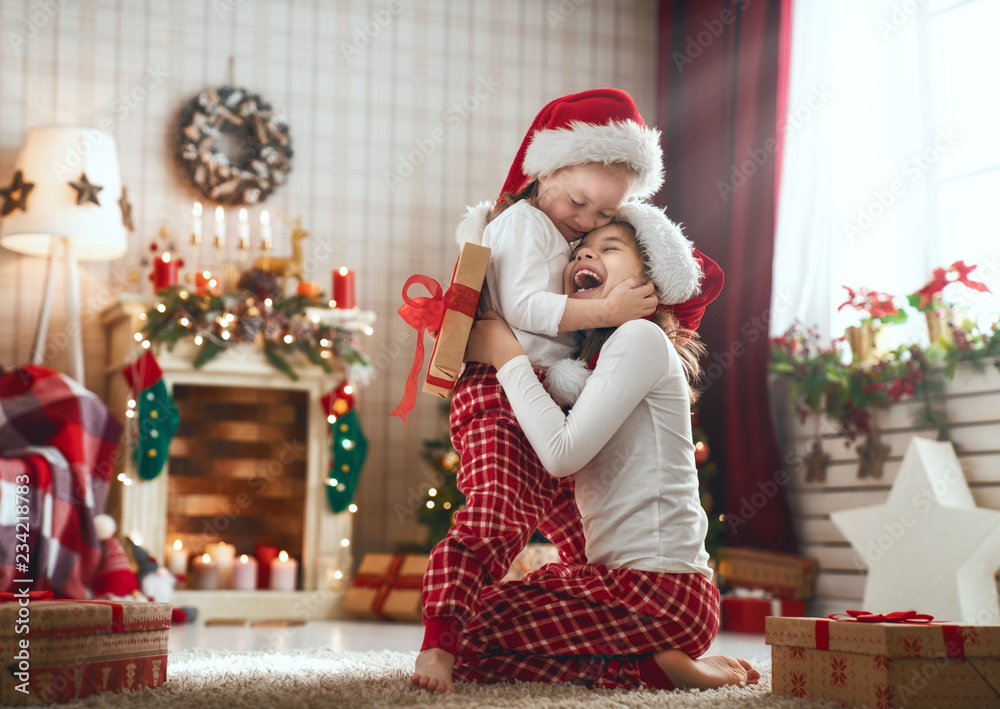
642,611
584,155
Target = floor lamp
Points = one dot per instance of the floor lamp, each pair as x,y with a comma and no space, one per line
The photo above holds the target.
66,198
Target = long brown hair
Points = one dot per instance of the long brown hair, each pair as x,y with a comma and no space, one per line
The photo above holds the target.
687,342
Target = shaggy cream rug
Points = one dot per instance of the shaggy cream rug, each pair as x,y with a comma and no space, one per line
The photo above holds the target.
302,679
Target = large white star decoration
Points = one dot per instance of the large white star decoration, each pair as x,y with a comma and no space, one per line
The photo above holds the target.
928,548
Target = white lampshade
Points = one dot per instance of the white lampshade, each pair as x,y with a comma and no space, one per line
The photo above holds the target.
51,158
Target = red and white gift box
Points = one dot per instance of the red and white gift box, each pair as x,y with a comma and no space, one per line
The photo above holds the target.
921,665
57,651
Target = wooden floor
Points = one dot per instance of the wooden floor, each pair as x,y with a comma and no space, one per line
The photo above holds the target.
359,636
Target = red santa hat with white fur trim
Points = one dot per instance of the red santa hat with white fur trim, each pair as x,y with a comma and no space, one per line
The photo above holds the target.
596,126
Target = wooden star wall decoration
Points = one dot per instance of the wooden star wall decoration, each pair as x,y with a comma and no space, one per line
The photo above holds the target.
85,191
817,463
873,455
16,196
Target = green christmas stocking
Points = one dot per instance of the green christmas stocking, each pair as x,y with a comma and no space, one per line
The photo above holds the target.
157,415
348,447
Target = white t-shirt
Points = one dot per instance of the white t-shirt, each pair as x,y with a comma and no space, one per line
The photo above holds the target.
524,281
628,439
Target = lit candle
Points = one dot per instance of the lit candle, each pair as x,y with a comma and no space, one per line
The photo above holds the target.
284,571
196,224
220,227
164,272
244,230
223,554
204,573
265,229
265,555
343,288
244,574
177,558
308,288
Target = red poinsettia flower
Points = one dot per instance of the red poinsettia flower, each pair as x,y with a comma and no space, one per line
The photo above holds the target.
939,279
874,304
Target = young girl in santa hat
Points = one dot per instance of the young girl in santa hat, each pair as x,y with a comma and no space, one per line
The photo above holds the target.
584,155
642,610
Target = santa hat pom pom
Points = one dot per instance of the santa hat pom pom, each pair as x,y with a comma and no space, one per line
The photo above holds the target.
566,379
473,224
105,526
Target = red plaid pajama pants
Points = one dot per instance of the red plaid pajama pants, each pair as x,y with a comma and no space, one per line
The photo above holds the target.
508,494
587,624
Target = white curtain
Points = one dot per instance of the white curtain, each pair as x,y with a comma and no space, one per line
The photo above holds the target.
892,160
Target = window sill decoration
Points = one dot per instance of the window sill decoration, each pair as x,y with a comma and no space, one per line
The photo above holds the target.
820,383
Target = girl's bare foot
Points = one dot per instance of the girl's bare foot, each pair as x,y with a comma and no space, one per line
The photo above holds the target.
433,671
706,672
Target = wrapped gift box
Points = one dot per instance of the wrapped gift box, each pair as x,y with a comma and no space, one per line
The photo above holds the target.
784,575
531,558
746,613
462,301
919,665
78,648
387,587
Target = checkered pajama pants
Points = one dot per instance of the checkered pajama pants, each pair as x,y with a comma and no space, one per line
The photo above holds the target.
509,494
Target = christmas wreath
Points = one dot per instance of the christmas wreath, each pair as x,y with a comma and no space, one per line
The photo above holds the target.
264,146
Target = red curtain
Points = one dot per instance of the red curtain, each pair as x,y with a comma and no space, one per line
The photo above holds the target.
717,108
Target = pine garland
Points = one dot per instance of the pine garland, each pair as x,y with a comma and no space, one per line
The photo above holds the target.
846,393
279,324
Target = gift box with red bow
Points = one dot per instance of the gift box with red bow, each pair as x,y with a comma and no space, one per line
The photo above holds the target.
893,660
449,313
387,587
57,651
744,610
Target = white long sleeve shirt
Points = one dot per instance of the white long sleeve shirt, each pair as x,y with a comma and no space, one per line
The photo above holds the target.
628,439
524,281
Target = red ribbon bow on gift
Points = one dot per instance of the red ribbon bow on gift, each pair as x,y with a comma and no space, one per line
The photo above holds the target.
894,617
7,596
422,314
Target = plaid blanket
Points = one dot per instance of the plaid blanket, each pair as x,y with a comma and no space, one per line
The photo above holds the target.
57,450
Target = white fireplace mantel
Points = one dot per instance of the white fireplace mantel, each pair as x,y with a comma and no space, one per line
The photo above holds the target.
142,505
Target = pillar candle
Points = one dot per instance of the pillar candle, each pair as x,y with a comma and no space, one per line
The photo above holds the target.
284,572
244,229
164,272
265,555
244,574
204,573
224,555
308,288
343,288
196,224
177,558
220,227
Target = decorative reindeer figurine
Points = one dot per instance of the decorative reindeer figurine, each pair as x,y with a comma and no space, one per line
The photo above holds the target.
287,267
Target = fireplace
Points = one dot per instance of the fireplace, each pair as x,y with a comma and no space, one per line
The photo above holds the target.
248,466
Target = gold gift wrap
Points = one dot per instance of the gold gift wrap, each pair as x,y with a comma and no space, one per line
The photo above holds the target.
462,300
919,665
58,651
387,587
783,574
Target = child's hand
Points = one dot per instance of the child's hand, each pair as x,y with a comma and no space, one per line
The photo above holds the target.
492,341
630,300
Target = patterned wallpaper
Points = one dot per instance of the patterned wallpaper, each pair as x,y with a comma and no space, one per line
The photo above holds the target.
401,113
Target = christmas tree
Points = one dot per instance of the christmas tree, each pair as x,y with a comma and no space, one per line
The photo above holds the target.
443,498
706,472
